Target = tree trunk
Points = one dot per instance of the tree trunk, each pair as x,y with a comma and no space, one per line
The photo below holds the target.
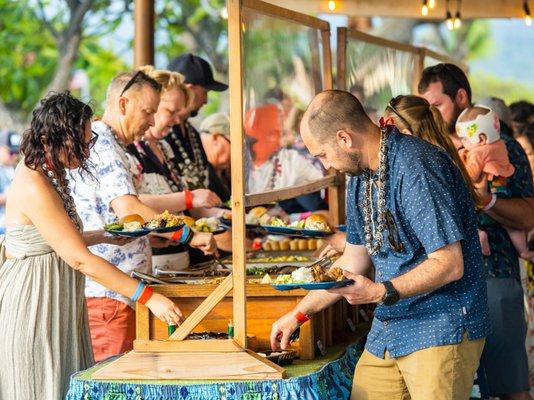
67,57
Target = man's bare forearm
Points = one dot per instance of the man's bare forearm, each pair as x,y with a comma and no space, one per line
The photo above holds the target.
517,213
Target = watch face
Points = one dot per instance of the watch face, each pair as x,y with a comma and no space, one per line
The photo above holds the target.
391,298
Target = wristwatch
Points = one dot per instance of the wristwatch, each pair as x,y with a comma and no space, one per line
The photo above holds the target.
391,296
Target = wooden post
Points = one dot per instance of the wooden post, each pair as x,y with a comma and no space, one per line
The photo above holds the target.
419,65
144,33
238,172
341,76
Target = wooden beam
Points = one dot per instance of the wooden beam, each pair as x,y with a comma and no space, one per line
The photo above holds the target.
288,193
286,14
327,59
144,33
142,325
235,48
379,41
256,290
186,346
341,74
203,309
407,8
418,67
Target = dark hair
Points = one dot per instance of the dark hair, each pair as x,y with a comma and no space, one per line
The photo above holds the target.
58,124
451,77
521,111
528,132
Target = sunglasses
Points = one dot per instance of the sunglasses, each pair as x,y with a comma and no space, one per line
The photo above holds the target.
130,83
392,108
393,236
90,144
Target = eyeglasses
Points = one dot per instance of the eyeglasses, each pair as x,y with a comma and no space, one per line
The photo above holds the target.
90,144
393,236
130,83
392,108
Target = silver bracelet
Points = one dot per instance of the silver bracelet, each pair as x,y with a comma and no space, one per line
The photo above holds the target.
491,203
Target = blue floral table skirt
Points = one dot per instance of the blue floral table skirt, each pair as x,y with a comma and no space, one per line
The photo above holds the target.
332,381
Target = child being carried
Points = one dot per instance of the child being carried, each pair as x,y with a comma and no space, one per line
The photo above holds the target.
485,155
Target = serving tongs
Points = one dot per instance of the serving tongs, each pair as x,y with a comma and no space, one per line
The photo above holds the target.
324,262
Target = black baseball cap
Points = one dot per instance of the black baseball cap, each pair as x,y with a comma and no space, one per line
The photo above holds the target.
11,140
197,71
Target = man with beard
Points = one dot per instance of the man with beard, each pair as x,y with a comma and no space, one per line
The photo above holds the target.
504,363
410,214
189,156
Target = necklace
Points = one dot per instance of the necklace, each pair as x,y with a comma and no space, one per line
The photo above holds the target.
194,173
374,230
277,170
64,193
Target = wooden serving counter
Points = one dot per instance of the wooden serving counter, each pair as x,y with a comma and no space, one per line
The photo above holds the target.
264,306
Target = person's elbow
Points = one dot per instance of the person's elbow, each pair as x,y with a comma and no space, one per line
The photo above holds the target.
456,270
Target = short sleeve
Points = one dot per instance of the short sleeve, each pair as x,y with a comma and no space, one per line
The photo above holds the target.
520,183
432,195
353,236
112,170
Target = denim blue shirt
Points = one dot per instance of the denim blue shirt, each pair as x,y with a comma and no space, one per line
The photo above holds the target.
432,208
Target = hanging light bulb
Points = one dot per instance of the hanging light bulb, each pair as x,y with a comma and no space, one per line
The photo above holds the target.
449,22
424,9
526,9
457,20
432,4
224,13
331,5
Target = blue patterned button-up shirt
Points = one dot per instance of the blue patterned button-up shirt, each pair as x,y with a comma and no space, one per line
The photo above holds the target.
432,208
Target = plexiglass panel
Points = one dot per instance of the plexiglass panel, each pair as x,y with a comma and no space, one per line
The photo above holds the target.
282,71
375,74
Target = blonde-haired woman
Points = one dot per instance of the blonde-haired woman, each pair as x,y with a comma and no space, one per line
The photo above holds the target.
159,183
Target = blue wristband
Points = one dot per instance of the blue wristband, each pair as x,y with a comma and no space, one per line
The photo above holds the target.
185,234
138,291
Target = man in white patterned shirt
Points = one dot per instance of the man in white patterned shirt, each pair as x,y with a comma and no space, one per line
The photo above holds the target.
132,101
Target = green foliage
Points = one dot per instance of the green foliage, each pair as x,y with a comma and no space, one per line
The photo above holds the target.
485,85
29,56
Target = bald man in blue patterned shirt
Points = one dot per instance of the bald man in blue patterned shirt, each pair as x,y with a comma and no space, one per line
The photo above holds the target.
410,215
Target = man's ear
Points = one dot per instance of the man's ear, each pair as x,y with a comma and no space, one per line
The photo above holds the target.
462,99
122,105
344,139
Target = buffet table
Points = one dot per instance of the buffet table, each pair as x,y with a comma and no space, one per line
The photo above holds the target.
326,377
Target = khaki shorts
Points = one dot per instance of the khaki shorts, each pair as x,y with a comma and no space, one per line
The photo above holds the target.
437,373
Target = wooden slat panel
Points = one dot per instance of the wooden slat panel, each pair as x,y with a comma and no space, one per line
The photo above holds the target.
159,346
286,14
327,59
204,290
407,8
291,192
142,322
207,305
341,58
190,366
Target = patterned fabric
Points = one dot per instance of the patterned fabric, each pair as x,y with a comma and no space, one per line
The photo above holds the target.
93,197
432,208
284,169
333,381
503,261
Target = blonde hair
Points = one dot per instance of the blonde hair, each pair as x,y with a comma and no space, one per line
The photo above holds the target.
170,80
424,121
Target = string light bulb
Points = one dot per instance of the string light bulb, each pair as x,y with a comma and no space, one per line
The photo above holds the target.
457,20
431,4
449,22
224,13
331,5
526,9
424,9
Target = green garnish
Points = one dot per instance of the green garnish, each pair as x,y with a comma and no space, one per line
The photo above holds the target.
114,226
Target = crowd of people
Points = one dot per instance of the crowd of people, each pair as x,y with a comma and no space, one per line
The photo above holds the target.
440,207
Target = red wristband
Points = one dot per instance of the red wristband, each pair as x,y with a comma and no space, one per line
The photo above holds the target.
177,235
301,317
188,199
146,295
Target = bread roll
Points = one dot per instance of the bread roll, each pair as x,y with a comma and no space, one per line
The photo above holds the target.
189,221
316,222
284,244
275,245
294,244
312,244
254,215
266,246
303,244
133,218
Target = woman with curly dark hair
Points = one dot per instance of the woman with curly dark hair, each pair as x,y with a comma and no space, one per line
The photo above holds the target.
44,259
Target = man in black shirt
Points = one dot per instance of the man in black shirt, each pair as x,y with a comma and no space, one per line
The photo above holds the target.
190,157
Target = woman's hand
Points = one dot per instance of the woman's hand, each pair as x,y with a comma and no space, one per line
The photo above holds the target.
205,198
165,309
204,241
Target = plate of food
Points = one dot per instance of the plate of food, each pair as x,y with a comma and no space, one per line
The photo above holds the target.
312,278
259,220
210,225
135,226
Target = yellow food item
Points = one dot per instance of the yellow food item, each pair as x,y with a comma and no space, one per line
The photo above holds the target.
302,244
317,222
312,244
254,215
132,218
284,244
266,245
275,245
294,244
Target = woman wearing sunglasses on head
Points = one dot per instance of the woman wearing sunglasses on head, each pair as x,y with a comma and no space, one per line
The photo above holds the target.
44,260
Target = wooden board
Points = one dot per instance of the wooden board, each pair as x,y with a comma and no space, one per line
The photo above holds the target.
189,366
188,346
